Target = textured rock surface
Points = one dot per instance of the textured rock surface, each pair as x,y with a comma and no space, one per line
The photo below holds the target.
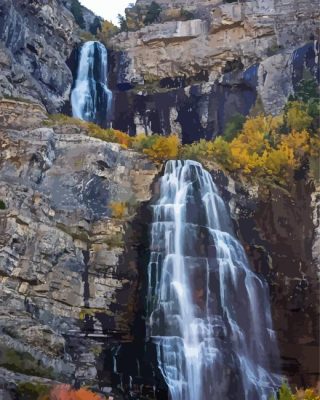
191,76
280,235
36,39
65,270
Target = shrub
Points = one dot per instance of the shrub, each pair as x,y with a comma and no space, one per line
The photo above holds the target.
2,205
76,10
160,148
95,26
285,393
118,209
234,126
65,392
33,391
297,116
153,13
107,30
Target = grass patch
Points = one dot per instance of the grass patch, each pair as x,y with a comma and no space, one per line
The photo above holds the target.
23,362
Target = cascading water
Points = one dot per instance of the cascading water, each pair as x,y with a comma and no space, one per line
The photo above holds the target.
91,98
209,312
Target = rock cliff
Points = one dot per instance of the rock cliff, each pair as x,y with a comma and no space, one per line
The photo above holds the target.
190,76
72,271
69,270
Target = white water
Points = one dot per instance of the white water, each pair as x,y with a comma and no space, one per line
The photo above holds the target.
91,98
209,313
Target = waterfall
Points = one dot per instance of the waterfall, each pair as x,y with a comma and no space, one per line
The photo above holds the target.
91,98
209,313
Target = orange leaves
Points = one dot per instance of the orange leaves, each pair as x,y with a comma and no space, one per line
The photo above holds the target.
65,392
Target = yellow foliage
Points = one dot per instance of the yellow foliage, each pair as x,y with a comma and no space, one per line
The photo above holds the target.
118,209
297,116
163,148
108,29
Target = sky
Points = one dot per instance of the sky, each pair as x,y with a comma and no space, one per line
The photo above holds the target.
107,9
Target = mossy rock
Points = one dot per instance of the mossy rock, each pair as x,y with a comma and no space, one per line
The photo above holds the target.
23,362
33,391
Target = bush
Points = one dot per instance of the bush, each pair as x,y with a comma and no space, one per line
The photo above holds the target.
297,116
153,13
118,209
65,392
285,393
76,10
107,30
234,126
2,205
157,147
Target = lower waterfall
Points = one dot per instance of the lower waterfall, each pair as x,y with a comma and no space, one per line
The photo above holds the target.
209,313
91,99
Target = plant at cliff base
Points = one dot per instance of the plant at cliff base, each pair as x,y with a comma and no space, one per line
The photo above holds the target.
157,147
118,209
153,13
285,393
65,392
76,10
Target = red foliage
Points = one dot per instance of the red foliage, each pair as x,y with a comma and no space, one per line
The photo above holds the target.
65,392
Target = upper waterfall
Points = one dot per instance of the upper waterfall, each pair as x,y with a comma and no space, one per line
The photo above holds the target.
91,98
209,313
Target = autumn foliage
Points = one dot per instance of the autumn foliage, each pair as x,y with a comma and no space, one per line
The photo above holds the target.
66,392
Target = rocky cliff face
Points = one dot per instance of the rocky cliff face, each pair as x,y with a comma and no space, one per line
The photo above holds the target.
280,234
190,76
69,270
36,39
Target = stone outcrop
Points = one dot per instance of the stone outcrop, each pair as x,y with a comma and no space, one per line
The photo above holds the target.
69,270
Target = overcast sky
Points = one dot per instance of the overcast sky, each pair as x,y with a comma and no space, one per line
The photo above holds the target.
107,9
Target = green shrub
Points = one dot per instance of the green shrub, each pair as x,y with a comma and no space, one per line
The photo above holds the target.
234,126
23,362
2,205
32,390
76,10
153,13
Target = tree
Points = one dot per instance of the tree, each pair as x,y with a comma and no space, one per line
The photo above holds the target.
153,13
122,23
95,26
234,126
108,29
76,10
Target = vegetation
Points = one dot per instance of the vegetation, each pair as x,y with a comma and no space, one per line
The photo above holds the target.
122,23
107,30
76,10
33,391
285,393
265,148
153,13
2,205
233,126
66,392
118,209
268,148
95,26
159,148
23,362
